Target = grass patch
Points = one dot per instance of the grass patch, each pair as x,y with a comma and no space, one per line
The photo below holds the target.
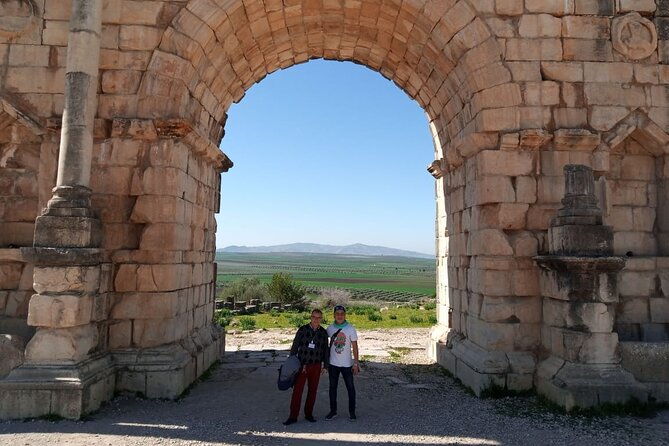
357,315
247,322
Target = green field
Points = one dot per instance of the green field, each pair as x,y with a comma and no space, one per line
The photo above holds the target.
358,316
390,276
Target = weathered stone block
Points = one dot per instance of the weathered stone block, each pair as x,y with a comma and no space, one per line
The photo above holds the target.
61,344
60,311
11,352
68,279
145,306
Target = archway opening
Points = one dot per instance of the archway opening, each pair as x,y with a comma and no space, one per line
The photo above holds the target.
330,177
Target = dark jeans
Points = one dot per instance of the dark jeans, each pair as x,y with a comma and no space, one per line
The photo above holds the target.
347,374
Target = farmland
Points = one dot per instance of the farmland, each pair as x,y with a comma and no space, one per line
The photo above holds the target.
367,278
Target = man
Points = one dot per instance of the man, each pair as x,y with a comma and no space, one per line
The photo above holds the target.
344,341
311,347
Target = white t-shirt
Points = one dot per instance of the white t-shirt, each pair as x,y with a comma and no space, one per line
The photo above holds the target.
340,352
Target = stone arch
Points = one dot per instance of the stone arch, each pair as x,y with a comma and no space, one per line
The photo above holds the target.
440,53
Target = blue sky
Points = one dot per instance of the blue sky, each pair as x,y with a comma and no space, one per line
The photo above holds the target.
327,152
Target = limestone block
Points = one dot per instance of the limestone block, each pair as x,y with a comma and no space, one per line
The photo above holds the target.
70,279
167,153
129,60
635,243
586,27
111,180
141,12
590,348
60,311
540,216
3,301
635,6
539,25
554,7
490,242
620,218
167,385
562,71
120,236
525,71
646,361
50,345
534,49
165,236
488,282
501,27
512,215
55,32
120,81
525,282
160,181
644,219
29,56
588,49
633,310
526,189
497,119
615,95
138,37
158,209
11,352
490,189
659,310
145,305
498,162
570,117
10,275
593,317
594,7
511,309
550,189
542,93
509,7
601,118
17,303
525,244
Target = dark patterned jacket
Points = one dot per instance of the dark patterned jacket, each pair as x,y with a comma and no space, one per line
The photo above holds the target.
304,336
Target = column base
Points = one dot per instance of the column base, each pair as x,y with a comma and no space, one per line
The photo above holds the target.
571,385
68,391
162,372
478,369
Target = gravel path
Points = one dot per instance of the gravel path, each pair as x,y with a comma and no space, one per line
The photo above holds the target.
402,400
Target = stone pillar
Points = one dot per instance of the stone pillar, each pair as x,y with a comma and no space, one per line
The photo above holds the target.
68,221
579,289
67,371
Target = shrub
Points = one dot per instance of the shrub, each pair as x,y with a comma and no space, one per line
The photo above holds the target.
432,319
247,323
392,316
430,305
415,319
223,317
245,289
335,296
274,312
374,317
284,289
298,320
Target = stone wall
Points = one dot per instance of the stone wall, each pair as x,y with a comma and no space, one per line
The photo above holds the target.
513,90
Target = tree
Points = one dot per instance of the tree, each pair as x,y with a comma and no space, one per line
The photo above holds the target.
284,289
245,289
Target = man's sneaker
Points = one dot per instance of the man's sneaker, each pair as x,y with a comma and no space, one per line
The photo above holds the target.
310,418
289,421
352,417
330,416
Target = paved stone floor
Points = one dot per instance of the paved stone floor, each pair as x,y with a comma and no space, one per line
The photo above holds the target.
402,400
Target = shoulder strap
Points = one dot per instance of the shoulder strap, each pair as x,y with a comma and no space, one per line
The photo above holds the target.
333,337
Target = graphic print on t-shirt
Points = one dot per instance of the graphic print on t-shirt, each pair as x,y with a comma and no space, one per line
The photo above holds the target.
340,342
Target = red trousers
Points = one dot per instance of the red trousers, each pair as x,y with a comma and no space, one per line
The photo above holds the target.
312,374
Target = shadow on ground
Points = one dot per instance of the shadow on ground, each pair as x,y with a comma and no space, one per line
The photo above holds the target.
397,405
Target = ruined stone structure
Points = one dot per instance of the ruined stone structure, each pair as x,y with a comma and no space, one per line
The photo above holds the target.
111,113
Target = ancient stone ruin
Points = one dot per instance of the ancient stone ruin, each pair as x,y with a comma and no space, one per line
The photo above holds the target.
550,121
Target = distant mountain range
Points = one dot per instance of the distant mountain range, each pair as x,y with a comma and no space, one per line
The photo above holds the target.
357,249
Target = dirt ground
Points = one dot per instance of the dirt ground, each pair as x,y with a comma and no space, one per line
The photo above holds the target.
402,399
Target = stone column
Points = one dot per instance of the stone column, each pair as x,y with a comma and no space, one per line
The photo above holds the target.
68,221
579,289
67,370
